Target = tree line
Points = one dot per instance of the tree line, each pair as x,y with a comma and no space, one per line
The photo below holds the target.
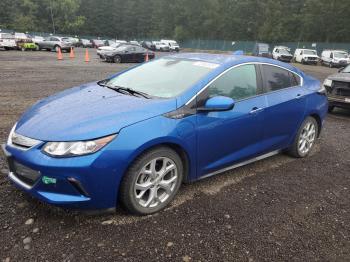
243,20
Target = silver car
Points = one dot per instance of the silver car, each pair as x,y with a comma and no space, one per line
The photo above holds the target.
55,43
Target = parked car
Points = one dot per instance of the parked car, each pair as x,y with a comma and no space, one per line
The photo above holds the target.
133,42
7,41
96,43
133,138
121,41
335,58
109,43
282,53
262,49
103,49
338,89
306,56
127,53
148,45
73,40
26,45
86,43
54,43
161,46
21,36
173,45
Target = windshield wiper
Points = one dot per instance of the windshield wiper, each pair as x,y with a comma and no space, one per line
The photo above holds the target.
131,91
121,89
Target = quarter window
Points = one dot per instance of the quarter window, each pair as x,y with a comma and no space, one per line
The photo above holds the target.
277,78
238,83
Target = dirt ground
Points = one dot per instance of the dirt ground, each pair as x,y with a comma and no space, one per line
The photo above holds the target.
278,209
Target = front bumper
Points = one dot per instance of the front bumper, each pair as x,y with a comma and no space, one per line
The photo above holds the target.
339,101
77,183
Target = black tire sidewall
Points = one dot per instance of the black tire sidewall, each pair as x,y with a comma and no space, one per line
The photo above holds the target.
126,194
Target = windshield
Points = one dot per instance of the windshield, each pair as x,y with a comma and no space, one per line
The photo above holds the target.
165,77
309,52
340,54
284,52
346,69
98,42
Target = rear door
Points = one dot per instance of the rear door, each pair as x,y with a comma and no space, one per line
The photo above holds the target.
227,137
286,103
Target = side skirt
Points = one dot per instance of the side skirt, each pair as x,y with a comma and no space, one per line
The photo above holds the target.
241,164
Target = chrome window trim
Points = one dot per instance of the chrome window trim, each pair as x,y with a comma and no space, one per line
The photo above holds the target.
247,63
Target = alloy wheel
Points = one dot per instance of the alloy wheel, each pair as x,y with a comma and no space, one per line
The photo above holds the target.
307,138
156,182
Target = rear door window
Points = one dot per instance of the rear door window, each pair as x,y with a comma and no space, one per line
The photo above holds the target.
276,78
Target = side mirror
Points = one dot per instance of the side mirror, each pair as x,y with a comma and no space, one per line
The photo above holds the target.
340,69
217,103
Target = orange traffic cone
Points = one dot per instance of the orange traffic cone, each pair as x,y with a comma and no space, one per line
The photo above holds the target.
146,58
87,59
71,54
59,54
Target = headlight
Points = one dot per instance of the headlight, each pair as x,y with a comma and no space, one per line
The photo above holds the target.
327,82
77,148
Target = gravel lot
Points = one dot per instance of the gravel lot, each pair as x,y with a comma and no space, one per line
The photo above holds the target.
278,209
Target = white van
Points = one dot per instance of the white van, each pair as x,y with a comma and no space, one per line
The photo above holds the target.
161,46
335,58
306,56
173,45
282,53
7,41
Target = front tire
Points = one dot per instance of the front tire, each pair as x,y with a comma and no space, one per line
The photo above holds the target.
305,138
117,59
152,181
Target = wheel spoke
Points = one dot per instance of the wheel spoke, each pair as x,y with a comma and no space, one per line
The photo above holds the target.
152,197
167,170
167,184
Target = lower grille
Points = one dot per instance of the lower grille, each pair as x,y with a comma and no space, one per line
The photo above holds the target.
312,58
340,88
25,174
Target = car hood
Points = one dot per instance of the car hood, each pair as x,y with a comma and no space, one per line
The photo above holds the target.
343,77
86,112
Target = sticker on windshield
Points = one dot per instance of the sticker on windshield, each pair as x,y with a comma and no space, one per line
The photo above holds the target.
206,64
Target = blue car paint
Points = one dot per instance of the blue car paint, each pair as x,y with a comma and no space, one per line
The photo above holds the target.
91,111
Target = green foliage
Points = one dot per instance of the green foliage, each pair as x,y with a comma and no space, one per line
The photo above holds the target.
233,20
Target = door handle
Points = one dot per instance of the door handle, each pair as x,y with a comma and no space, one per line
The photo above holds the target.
255,110
298,96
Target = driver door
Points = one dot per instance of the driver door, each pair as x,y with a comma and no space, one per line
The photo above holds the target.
225,138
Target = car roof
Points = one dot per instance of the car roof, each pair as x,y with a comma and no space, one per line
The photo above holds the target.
228,60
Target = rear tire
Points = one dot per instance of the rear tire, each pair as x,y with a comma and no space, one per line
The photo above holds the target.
151,181
305,138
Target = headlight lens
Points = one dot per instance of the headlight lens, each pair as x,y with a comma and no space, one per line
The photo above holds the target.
327,82
77,148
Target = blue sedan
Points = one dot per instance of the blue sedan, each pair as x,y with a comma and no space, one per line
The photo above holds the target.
135,137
